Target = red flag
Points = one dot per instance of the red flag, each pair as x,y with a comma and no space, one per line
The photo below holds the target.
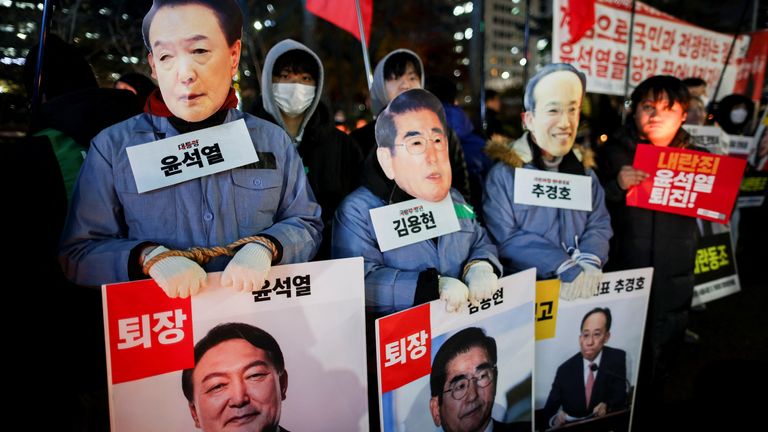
343,14
582,18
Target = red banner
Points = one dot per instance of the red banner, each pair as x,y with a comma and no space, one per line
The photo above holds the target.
404,343
149,333
687,182
751,76
343,14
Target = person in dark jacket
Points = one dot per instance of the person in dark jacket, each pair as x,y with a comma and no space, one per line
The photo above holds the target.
734,114
493,125
74,110
291,84
140,85
398,71
647,238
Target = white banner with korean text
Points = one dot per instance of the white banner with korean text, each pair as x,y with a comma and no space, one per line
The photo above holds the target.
661,45
605,330
253,360
426,358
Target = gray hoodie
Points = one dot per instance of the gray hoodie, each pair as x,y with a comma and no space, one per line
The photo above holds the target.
379,99
268,98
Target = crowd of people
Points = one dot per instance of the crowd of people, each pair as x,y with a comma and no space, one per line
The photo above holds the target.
308,196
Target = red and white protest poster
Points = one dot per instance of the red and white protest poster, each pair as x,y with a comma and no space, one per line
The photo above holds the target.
224,359
460,371
687,182
661,45
601,336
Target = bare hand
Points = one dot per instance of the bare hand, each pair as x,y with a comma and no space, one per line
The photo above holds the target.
600,409
629,177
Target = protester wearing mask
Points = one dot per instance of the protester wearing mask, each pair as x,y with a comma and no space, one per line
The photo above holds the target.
571,245
291,85
114,233
734,113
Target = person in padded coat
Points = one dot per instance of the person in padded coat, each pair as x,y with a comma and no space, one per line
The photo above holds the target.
561,243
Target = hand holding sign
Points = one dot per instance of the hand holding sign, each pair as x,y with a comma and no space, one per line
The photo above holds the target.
248,269
176,275
482,282
454,292
629,177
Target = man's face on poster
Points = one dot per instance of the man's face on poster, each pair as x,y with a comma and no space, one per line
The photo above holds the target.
191,60
593,335
236,388
419,162
470,387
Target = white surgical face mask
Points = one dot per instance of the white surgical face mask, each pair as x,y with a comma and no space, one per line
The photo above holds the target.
738,115
293,99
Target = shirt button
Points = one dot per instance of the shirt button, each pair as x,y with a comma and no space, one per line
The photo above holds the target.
257,182
208,216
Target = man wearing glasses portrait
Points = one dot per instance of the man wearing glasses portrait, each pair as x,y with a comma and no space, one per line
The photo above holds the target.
463,384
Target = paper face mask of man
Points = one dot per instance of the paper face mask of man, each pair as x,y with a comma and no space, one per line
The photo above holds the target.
191,59
554,119
411,134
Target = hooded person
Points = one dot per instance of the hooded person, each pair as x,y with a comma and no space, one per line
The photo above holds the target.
734,114
263,213
571,245
398,71
291,88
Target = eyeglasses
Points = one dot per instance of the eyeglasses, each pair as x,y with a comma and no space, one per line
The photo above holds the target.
417,144
483,379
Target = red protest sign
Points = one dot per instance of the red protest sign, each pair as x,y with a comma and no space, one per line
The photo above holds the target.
149,333
404,340
687,182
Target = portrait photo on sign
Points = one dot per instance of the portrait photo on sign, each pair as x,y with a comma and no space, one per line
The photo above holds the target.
260,362
587,372
480,367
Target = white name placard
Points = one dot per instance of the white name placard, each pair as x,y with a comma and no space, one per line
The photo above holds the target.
553,189
191,155
412,221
